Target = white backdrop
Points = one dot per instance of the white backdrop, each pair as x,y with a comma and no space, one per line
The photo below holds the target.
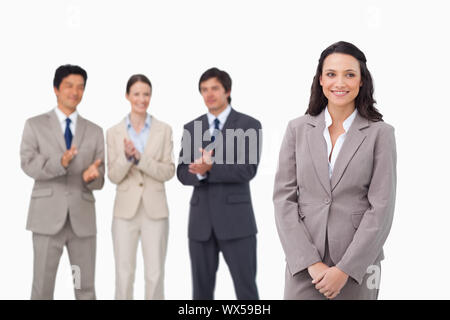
270,49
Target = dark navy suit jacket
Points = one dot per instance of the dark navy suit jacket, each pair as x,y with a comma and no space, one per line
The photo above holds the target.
222,202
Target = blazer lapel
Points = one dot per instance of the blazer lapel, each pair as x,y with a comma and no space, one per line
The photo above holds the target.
318,150
351,144
79,131
230,122
55,127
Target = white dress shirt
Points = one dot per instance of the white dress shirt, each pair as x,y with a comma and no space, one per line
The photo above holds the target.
222,118
62,120
340,140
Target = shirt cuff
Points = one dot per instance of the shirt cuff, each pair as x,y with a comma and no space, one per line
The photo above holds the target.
201,177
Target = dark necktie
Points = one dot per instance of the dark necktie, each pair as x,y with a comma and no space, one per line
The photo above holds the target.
216,127
68,134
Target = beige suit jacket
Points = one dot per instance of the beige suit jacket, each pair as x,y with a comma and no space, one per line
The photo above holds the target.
143,181
355,207
57,190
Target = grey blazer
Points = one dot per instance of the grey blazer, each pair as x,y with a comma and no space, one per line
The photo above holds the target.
355,206
57,190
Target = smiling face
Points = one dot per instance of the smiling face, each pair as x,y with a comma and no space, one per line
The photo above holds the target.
214,95
69,93
139,96
341,80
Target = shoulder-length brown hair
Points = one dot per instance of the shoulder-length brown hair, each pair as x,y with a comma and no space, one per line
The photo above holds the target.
364,101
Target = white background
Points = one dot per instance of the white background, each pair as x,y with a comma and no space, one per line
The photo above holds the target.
270,49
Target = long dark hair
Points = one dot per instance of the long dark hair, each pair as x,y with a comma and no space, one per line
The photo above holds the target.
364,101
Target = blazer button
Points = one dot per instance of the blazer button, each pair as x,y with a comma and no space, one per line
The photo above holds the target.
141,184
326,201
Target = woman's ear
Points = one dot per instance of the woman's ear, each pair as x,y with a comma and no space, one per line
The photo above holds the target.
320,80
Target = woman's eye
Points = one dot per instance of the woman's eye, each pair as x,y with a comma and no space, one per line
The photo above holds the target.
350,75
330,74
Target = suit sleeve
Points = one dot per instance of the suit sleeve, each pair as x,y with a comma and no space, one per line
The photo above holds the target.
183,174
35,164
237,173
160,170
296,242
376,223
98,183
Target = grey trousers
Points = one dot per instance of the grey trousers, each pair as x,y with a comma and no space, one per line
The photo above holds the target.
47,253
299,286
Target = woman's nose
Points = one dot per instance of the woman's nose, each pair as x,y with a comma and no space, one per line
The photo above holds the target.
340,81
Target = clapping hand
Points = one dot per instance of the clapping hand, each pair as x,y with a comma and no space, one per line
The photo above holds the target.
203,164
130,150
68,156
92,173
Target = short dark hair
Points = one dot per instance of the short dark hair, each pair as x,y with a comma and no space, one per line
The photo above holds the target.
364,101
137,78
223,77
65,71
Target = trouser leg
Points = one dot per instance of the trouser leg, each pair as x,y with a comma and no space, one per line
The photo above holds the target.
154,236
82,252
47,250
240,256
204,263
126,235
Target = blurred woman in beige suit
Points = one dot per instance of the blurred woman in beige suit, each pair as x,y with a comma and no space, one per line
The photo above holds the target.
140,160
335,186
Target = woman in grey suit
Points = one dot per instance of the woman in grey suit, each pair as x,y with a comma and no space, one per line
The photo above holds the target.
334,191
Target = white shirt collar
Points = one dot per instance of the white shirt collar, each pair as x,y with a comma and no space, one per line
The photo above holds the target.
347,122
62,117
222,116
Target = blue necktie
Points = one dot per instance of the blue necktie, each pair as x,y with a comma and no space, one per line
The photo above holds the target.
216,127
68,134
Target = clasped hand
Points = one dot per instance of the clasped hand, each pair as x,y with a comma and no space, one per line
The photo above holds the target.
328,280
